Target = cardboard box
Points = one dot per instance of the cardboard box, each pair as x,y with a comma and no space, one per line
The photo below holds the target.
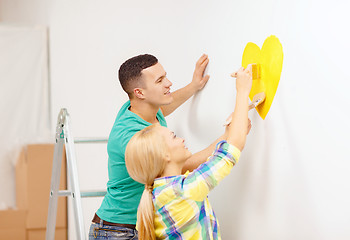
13,225
33,181
39,234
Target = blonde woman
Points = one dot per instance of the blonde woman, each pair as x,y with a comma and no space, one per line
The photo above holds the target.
175,206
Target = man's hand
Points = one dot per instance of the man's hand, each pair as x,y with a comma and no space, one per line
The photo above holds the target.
227,124
249,126
198,80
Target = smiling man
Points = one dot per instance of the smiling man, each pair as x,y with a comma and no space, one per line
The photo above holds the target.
145,81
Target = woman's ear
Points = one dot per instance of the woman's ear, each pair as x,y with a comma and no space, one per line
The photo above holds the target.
138,92
167,158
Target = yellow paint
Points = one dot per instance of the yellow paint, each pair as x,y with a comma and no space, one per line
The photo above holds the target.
269,59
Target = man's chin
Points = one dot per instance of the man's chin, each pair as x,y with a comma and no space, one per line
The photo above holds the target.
171,100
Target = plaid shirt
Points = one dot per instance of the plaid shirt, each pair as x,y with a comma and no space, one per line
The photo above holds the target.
182,208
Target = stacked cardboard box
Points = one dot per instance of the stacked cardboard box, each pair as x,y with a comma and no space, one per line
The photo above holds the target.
33,181
13,225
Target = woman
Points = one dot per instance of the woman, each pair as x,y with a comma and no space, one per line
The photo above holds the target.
175,206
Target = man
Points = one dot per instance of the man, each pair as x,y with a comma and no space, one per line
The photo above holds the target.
145,81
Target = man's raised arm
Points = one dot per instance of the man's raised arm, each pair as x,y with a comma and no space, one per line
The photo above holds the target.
183,94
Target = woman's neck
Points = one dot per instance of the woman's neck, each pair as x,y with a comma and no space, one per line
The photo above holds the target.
172,169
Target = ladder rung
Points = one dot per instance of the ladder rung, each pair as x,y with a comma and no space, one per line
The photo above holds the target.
93,194
91,140
65,193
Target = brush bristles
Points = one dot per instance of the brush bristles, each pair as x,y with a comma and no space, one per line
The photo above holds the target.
255,71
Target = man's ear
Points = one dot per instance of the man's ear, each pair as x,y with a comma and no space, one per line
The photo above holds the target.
138,92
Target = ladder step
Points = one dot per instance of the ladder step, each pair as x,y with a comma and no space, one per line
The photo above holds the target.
91,140
66,193
93,194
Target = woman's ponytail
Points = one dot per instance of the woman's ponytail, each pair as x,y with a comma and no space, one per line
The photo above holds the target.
145,216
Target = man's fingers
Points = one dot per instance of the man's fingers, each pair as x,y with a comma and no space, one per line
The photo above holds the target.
202,59
202,63
204,80
234,74
248,130
228,120
205,62
201,67
249,125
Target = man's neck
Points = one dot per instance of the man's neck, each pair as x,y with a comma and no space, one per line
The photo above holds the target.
145,111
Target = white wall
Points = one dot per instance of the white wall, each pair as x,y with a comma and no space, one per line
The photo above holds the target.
292,180
25,99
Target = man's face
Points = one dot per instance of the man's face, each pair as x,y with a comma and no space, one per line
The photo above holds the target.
156,89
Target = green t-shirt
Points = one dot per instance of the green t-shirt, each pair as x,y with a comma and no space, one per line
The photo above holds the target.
123,193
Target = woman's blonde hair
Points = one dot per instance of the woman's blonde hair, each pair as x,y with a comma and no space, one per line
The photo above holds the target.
145,161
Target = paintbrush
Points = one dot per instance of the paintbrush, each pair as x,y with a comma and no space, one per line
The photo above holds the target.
257,99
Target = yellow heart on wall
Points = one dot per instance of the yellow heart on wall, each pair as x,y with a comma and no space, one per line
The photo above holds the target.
269,59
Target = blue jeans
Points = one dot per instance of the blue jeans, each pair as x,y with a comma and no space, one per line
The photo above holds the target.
99,231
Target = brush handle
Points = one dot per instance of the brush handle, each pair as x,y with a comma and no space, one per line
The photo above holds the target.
254,104
251,106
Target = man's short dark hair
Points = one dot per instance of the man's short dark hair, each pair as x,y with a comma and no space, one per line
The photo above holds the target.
130,71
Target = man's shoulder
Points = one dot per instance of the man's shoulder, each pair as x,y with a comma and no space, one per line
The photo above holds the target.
125,119
123,110
125,127
128,123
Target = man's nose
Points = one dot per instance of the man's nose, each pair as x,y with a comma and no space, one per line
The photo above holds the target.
168,83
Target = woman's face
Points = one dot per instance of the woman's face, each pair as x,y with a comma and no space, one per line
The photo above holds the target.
178,150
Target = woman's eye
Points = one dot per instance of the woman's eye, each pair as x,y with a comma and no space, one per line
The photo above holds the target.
174,136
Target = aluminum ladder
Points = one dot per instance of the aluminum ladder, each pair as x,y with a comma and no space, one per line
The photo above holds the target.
64,138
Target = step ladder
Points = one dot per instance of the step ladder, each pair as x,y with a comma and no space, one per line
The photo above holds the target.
65,138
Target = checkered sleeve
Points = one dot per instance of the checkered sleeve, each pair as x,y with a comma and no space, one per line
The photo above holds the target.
197,184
